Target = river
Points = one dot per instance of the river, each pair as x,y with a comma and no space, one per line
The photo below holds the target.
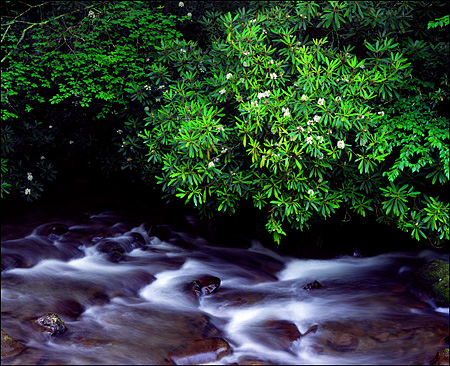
123,281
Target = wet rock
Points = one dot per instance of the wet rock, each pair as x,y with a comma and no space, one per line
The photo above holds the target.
279,334
433,278
52,324
52,230
138,240
200,351
204,285
10,346
10,261
343,342
313,286
441,357
160,231
113,250
209,284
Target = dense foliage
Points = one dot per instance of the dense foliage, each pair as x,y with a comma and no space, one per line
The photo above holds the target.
300,108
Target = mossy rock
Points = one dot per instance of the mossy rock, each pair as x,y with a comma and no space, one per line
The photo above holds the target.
433,277
10,346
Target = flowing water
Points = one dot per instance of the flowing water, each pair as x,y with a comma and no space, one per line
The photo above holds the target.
136,307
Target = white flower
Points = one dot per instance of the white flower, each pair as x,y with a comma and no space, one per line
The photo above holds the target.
300,128
254,103
265,94
310,192
381,113
220,128
119,132
222,91
245,64
337,99
181,4
310,122
27,191
320,101
309,140
42,157
304,97
147,87
211,164
270,62
146,109
224,150
246,53
362,142
340,144
71,142
182,50
286,113
189,15
273,76
229,75
316,118
362,66
91,14
50,126
29,176
158,100
320,138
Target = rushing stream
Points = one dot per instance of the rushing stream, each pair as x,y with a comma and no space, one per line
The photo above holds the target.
124,288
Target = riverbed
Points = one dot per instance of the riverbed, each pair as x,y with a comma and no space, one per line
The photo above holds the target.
129,287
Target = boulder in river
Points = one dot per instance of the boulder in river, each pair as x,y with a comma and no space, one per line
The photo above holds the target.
279,334
200,351
52,324
433,278
441,357
203,285
113,250
10,346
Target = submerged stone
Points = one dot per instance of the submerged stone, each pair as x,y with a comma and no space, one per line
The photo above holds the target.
10,346
201,351
52,324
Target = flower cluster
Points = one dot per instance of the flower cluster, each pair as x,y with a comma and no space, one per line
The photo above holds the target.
29,176
273,76
321,101
286,113
304,97
229,76
341,144
222,91
266,94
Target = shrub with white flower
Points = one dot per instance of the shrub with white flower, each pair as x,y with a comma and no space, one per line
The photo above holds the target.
316,118
245,64
229,76
310,192
321,101
189,15
341,144
273,76
304,97
181,4
309,140
29,176
381,113
27,191
222,91
254,103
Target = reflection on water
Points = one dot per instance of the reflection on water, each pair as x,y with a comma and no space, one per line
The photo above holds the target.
122,288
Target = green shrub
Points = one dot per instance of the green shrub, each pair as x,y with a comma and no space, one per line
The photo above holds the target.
295,126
